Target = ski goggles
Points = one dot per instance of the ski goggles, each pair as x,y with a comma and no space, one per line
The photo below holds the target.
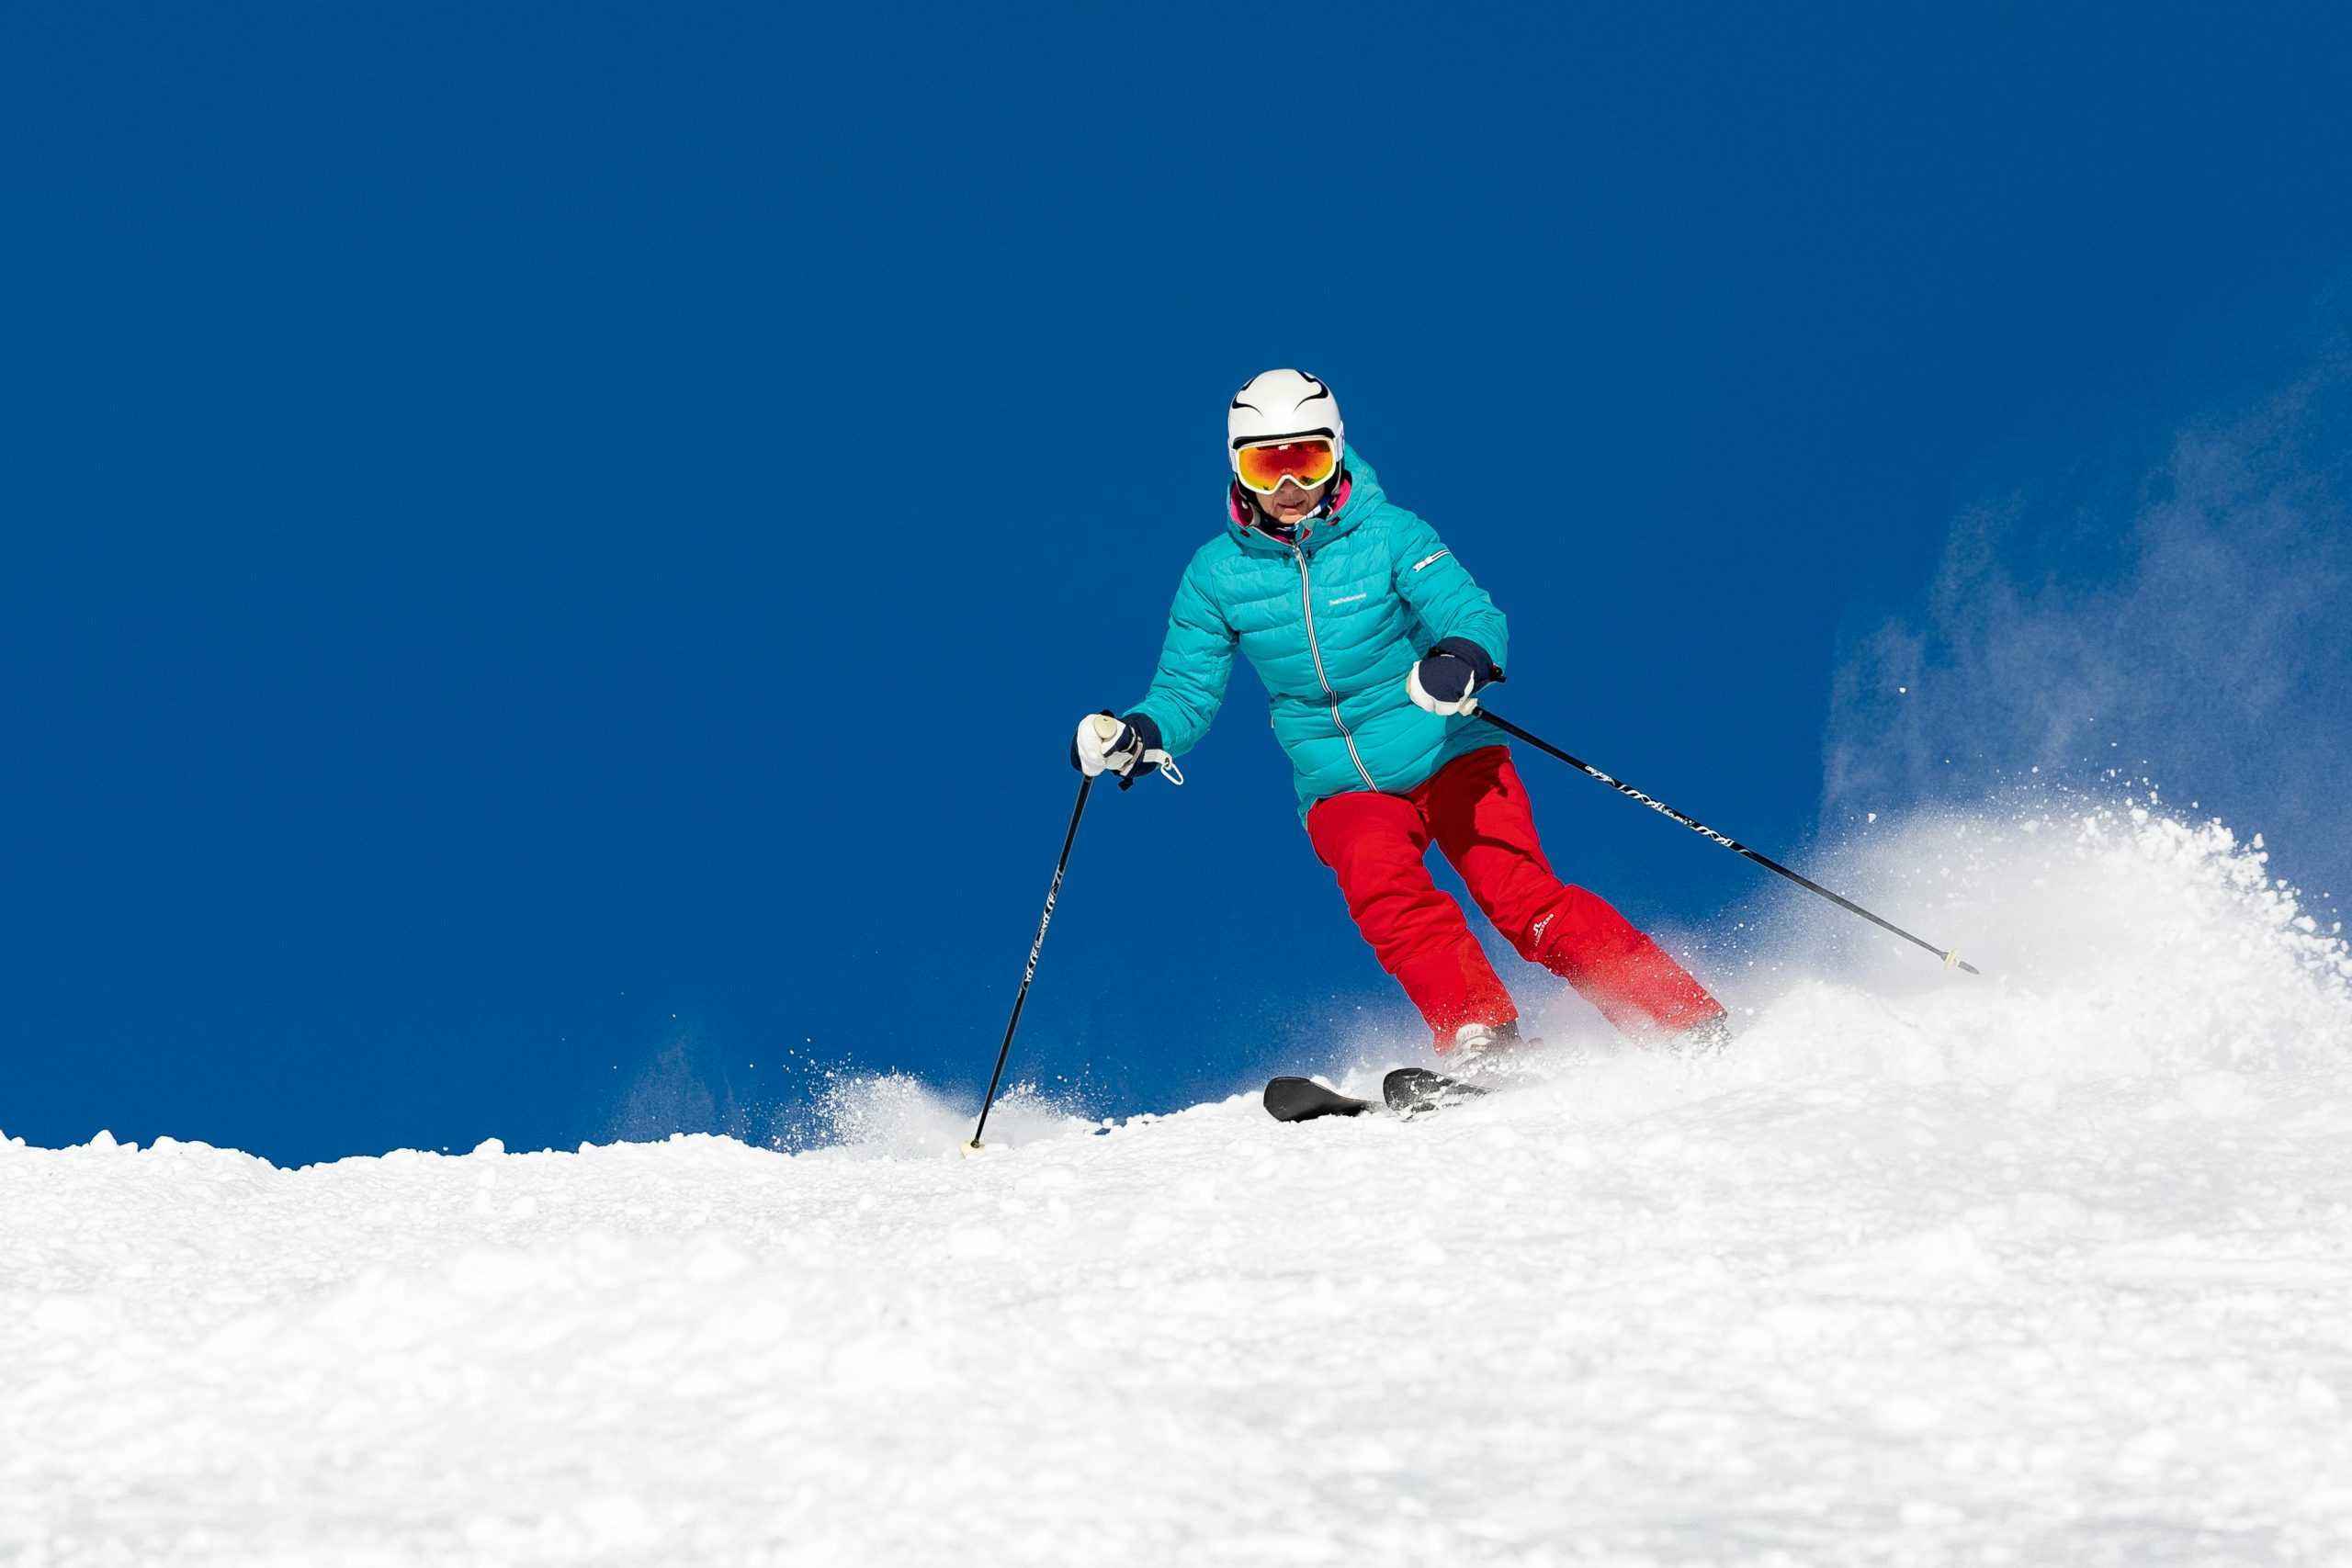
1309,459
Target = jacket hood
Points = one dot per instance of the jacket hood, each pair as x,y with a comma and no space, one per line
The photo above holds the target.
1365,497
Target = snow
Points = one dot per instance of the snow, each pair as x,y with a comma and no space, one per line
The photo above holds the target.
2056,1266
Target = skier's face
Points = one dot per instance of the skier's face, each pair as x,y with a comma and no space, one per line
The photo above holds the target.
1293,500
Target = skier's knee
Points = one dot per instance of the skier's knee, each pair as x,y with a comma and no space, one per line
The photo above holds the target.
1575,929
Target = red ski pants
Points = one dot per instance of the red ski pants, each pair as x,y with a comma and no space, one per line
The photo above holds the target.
1475,810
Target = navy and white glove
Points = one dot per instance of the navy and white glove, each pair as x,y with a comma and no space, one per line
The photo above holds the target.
1441,683
1128,747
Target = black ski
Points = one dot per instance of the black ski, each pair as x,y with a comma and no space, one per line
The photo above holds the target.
1415,1091
1304,1100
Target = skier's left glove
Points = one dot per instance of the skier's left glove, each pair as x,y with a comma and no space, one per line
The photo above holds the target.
1129,747
1441,683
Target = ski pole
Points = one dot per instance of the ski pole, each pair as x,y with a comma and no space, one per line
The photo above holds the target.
1052,892
1951,960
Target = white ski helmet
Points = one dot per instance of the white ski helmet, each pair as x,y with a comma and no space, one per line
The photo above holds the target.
1276,403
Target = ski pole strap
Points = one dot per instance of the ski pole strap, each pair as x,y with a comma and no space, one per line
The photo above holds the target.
1952,960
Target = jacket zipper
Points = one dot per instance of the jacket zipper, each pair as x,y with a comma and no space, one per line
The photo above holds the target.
1306,598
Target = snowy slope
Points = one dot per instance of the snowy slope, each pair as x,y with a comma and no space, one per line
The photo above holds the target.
2053,1268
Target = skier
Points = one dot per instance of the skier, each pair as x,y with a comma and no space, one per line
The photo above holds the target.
1370,638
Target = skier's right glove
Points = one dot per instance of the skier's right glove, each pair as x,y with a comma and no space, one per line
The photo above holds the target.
1128,747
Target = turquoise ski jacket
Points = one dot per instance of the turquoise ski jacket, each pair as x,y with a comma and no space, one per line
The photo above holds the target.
1331,625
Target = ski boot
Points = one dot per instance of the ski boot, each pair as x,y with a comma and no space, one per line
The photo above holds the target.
1705,1039
1482,1056
1484,1050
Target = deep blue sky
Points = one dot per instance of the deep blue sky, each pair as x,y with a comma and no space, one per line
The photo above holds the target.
525,521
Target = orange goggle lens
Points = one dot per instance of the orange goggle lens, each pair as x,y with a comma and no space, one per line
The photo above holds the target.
1263,468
